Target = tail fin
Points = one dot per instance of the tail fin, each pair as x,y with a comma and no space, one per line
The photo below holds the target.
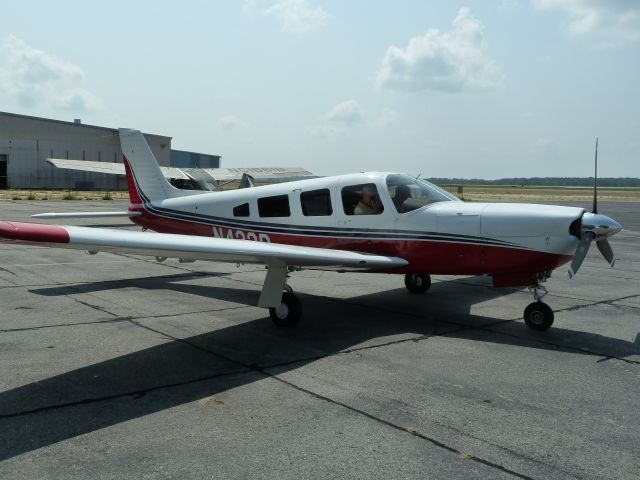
145,179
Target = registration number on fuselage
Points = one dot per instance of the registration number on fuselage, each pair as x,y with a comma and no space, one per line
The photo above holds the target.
235,234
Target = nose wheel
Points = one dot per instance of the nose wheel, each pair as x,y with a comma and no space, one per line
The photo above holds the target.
538,315
417,282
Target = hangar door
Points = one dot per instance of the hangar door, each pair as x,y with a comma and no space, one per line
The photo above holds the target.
3,172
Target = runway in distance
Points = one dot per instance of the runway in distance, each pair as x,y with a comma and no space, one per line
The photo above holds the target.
380,222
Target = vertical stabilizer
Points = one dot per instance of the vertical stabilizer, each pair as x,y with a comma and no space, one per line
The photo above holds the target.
147,176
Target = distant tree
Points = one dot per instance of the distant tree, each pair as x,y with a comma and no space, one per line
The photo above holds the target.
542,181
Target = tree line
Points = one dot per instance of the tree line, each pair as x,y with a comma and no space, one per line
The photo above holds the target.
542,181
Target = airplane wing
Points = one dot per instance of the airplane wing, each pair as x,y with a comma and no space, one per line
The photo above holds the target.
218,174
108,167
191,247
86,214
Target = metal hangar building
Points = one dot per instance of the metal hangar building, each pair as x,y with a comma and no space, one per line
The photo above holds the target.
26,142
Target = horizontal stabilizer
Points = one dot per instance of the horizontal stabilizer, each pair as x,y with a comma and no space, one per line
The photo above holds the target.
85,214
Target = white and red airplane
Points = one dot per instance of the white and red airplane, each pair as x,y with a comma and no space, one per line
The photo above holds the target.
376,222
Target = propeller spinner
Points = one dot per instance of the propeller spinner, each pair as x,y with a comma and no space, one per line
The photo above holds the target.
594,226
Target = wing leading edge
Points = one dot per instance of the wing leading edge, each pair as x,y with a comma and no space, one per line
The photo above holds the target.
192,247
263,174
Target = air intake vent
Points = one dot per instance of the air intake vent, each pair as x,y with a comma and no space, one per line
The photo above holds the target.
575,228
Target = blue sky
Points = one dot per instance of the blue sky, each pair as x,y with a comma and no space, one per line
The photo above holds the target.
475,89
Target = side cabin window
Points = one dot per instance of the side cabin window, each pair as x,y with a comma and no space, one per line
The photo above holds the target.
241,210
276,206
316,203
361,199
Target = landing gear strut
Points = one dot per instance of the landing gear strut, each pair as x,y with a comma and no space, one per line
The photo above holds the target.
538,315
417,282
284,307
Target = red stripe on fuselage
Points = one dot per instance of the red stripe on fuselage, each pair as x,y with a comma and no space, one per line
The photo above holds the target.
33,232
134,198
424,256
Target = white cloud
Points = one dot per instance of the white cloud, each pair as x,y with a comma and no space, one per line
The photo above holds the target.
446,61
340,120
610,23
297,16
232,122
36,78
345,113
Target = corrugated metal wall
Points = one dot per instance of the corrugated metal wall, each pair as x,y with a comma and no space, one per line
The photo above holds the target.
182,159
28,141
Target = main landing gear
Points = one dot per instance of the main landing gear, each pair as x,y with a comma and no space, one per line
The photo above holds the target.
289,312
417,282
538,315
284,307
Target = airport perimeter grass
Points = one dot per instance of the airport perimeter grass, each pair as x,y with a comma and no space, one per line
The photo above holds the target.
474,193
534,193
62,195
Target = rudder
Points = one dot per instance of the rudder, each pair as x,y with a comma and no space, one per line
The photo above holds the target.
145,179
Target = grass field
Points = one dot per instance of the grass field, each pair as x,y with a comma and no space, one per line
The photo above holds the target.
474,193
532,193
62,195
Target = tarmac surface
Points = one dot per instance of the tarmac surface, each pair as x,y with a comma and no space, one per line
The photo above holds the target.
115,366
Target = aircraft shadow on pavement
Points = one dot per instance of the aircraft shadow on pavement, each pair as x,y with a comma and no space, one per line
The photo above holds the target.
185,370
146,283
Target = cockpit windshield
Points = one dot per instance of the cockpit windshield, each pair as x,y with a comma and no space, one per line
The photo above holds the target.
408,193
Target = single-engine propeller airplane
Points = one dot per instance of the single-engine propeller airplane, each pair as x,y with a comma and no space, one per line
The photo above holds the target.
375,222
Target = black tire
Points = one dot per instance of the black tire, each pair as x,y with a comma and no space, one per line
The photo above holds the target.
417,282
538,316
288,313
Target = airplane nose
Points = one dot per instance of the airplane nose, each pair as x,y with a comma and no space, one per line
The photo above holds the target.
600,225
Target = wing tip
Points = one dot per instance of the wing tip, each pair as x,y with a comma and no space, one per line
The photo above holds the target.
33,232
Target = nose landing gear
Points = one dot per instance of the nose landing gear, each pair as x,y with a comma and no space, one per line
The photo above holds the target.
538,315
417,282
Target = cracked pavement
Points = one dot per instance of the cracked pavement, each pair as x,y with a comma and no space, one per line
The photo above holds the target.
117,366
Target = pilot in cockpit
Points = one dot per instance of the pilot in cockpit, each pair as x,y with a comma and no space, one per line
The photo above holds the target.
369,203
402,193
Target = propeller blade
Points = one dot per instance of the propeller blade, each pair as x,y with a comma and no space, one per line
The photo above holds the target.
581,252
606,250
595,183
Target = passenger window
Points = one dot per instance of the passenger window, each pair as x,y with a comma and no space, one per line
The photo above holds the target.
361,200
276,206
241,210
316,203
